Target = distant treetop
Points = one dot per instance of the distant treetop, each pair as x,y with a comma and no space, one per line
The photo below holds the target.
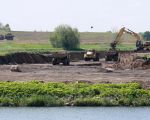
4,28
146,35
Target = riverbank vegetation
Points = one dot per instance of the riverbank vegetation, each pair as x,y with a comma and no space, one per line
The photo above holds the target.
72,94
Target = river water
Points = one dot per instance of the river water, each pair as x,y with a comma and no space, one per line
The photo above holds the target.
75,113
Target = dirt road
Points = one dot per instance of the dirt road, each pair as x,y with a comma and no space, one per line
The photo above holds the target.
77,71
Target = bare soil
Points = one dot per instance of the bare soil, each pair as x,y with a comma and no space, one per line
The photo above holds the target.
77,71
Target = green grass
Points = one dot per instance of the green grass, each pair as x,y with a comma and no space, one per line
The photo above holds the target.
39,42
105,47
101,47
11,47
78,94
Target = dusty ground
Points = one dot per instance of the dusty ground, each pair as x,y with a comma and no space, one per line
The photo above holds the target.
77,71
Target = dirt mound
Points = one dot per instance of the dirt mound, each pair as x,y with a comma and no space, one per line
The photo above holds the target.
129,61
22,57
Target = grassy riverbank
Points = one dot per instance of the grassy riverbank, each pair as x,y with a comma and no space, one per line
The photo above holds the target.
76,94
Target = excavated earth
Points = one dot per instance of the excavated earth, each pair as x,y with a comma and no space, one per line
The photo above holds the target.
77,71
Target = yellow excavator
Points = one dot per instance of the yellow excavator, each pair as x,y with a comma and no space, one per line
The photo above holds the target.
112,54
139,43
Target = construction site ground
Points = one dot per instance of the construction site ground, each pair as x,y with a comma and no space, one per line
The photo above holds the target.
77,71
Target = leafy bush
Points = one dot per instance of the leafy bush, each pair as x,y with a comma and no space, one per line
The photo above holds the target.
65,37
35,93
43,101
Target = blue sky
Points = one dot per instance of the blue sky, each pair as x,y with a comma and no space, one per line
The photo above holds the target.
104,15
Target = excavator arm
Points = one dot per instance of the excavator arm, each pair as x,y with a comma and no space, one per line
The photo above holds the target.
133,33
113,54
119,35
117,39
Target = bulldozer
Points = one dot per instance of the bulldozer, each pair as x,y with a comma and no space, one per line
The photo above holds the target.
91,55
113,53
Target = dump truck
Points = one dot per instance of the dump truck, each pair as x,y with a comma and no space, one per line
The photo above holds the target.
91,55
61,57
2,37
9,36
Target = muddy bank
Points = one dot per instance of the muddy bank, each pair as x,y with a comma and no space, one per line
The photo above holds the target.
23,57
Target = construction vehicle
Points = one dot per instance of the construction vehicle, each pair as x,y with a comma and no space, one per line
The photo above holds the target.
2,37
112,54
9,36
139,43
61,57
91,55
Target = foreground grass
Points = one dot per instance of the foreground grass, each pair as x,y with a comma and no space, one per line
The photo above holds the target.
11,47
77,94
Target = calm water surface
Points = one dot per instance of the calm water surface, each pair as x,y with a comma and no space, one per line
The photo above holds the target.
75,113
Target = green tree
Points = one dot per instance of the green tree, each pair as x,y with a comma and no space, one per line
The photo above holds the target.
7,28
65,37
4,28
146,35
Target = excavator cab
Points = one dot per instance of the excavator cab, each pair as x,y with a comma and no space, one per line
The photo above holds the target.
139,45
112,55
113,45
